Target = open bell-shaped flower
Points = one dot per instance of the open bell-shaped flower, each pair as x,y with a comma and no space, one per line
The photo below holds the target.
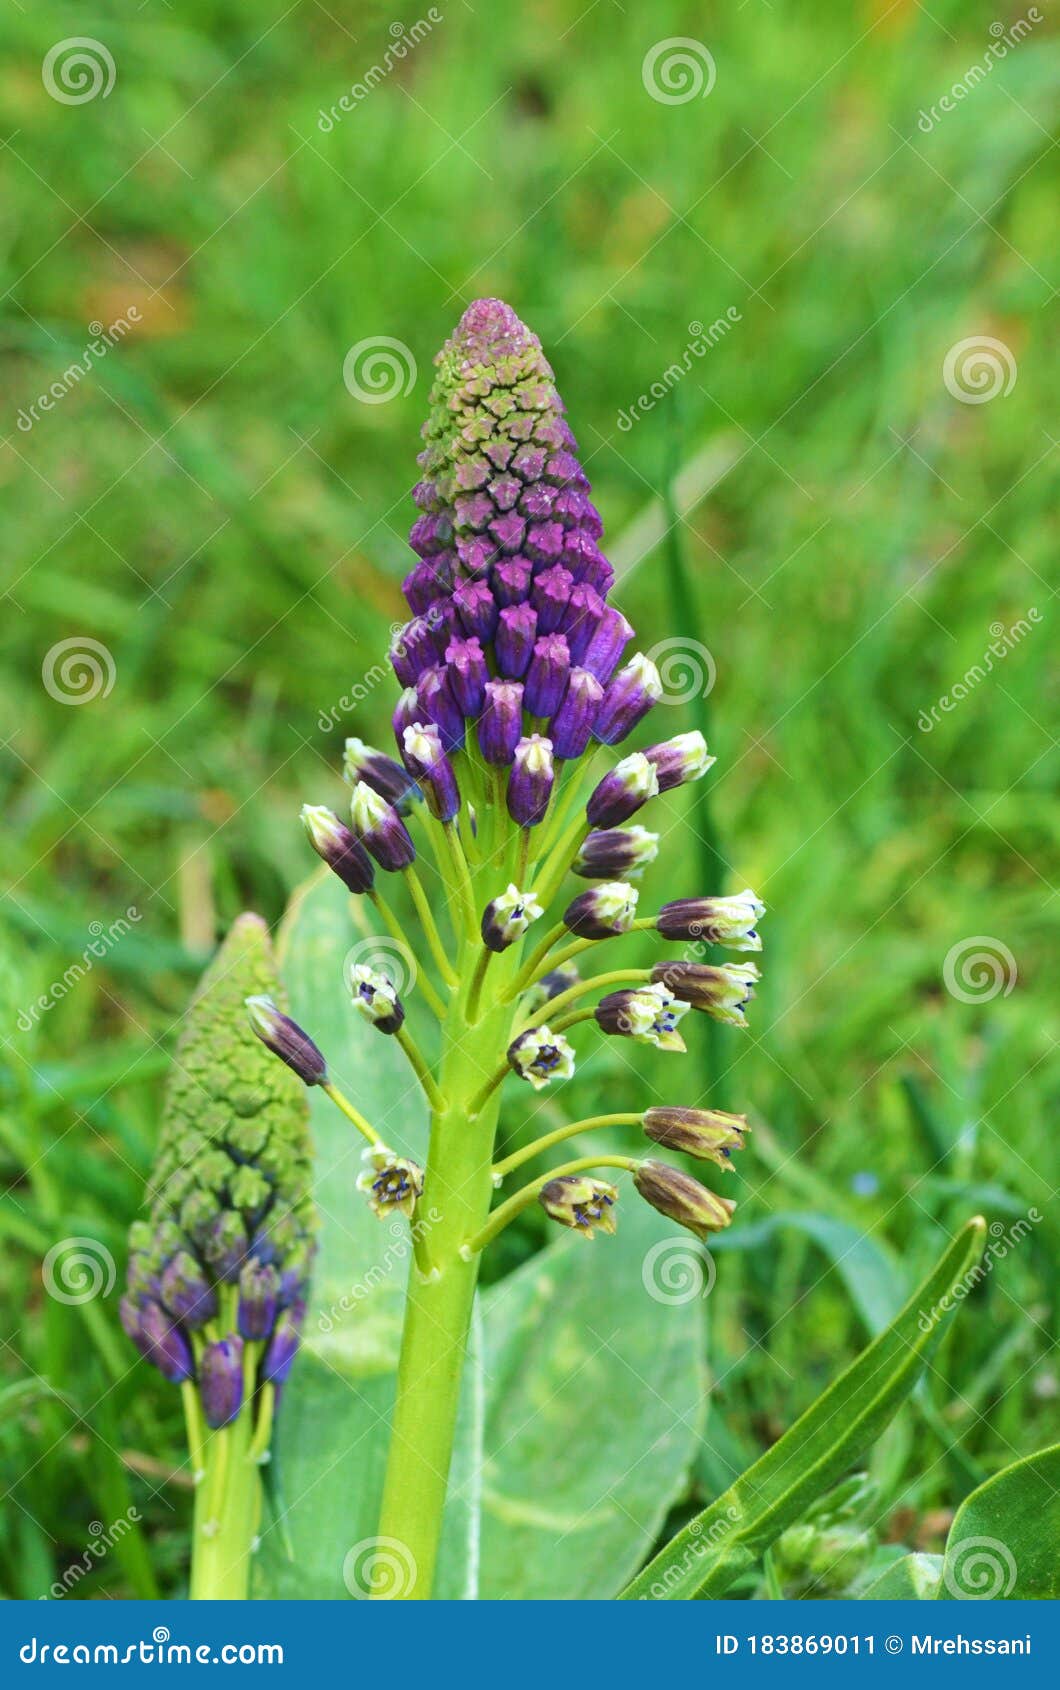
390,1182
715,921
648,1014
507,917
580,1202
606,910
539,1055
722,992
375,997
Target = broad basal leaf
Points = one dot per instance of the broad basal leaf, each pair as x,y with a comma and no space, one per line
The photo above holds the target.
1005,1537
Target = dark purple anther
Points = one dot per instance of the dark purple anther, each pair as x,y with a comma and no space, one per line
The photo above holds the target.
531,780
550,595
511,581
571,727
285,1037
259,1289
432,768
547,676
281,1351
340,849
610,640
186,1292
476,608
500,726
514,643
438,704
466,668
628,698
221,1381
580,619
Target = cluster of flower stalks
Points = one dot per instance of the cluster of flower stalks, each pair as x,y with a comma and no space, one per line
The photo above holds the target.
517,681
219,1271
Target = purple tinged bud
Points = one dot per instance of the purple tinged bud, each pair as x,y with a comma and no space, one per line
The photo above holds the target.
428,762
548,675
682,1199
437,702
406,711
221,1381
426,583
259,1290
430,533
466,668
500,726
281,1351
377,770
507,917
613,853
225,1245
550,596
375,997
380,829
580,619
339,848
605,911
681,759
646,1014
511,581
723,992
476,607
531,780
715,921
580,1202
622,792
186,1292
516,633
572,726
162,1343
709,1134
414,649
604,653
629,696
286,1040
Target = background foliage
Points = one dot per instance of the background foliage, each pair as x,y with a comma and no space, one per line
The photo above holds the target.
214,506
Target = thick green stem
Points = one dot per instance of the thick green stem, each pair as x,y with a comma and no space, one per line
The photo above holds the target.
227,1513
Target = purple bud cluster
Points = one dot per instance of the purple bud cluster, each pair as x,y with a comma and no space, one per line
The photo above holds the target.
511,638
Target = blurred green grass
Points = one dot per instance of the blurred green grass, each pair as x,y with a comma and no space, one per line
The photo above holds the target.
214,506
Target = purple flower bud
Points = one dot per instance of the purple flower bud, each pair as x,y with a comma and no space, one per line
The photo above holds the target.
438,704
159,1341
476,607
333,841
580,619
647,1014
531,780
681,1198
709,1134
427,582
406,711
375,997
380,829
603,912
376,769
716,921
604,653
225,1245
186,1292
683,758
615,853
548,675
723,992
259,1289
221,1381
500,726
432,768
622,792
507,917
467,672
629,696
516,633
413,650
550,595
511,581
572,725
281,1351
286,1040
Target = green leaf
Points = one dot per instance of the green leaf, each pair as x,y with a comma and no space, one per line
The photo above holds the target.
595,1398
329,1447
728,1537
1003,1540
910,1578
